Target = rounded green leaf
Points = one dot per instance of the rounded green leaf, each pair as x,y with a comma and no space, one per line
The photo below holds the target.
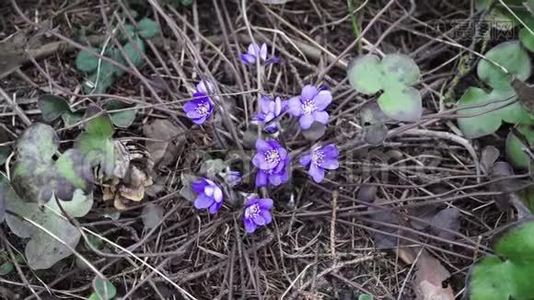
365,74
52,106
399,68
401,104
527,39
517,244
104,290
476,116
509,55
122,118
148,28
134,50
514,147
86,61
508,275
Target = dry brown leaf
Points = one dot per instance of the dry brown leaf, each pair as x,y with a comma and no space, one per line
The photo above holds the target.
162,149
429,277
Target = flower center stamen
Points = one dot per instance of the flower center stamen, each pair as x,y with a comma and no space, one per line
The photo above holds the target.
252,210
317,157
272,156
202,108
308,106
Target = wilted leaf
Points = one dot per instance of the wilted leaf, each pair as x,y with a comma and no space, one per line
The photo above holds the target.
212,167
50,218
488,157
367,193
152,215
186,191
52,107
161,147
36,176
122,118
315,132
148,28
375,134
429,277
448,218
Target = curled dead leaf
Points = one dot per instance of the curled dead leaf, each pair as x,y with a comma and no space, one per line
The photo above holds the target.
164,142
430,276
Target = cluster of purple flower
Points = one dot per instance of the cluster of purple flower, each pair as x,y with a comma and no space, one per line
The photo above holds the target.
272,160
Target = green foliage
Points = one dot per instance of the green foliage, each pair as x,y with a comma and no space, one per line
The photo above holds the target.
123,118
103,290
482,113
507,275
6,268
515,146
394,75
96,143
102,73
148,28
53,107
365,297
511,56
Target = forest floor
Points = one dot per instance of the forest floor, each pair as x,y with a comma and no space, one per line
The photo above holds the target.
414,207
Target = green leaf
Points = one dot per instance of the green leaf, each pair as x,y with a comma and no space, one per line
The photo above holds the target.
6,268
86,61
99,82
365,297
509,55
96,141
71,118
52,107
104,289
508,275
403,104
514,147
480,109
148,28
394,75
123,118
399,68
365,74
134,50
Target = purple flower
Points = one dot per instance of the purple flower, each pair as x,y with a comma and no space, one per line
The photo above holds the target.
257,213
209,195
232,178
256,52
310,106
269,110
272,160
201,106
319,159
